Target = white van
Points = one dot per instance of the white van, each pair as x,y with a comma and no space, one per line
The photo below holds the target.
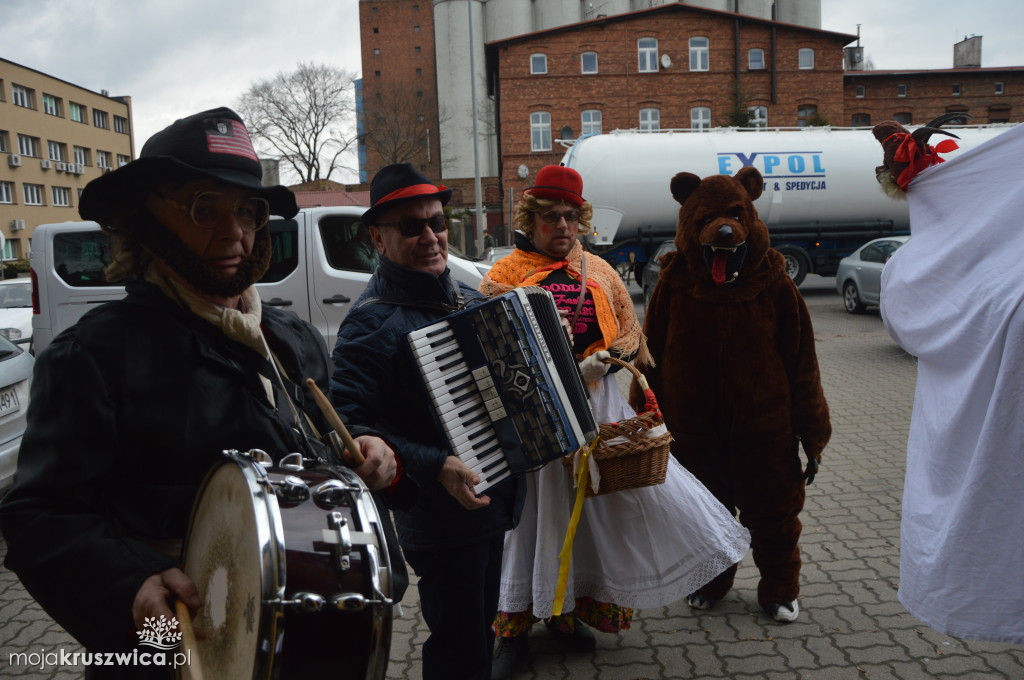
311,272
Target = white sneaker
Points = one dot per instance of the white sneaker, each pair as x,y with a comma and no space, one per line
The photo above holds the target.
785,613
698,601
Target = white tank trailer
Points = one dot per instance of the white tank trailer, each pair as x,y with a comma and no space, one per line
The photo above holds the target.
821,200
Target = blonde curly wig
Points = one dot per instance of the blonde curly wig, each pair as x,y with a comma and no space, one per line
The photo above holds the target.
531,204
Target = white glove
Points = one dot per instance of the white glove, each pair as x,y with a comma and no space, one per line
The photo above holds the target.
593,368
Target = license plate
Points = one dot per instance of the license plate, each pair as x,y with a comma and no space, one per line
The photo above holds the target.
9,401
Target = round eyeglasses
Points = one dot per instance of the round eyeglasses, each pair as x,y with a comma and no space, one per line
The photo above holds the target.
552,217
210,209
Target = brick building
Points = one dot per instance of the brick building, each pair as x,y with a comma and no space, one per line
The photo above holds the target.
668,67
54,138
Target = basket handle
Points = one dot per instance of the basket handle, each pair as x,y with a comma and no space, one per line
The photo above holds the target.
651,403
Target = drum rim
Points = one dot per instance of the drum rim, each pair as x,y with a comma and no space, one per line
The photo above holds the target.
270,538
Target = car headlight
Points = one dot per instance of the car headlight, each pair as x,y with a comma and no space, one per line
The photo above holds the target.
10,333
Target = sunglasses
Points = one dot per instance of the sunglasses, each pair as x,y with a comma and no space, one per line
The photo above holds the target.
210,209
413,226
553,217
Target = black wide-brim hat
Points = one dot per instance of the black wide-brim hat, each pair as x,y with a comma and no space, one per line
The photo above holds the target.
399,183
212,144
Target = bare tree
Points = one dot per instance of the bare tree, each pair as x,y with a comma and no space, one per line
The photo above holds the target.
305,118
399,128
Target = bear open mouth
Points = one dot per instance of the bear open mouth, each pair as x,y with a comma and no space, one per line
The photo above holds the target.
725,262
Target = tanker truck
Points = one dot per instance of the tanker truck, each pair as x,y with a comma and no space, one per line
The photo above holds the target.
821,200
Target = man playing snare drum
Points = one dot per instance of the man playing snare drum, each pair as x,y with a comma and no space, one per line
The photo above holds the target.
131,406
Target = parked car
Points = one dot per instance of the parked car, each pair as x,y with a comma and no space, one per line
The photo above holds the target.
652,269
16,310
15,379
859,277
492,255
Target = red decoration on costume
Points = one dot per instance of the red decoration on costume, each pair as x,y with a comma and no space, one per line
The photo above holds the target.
909,152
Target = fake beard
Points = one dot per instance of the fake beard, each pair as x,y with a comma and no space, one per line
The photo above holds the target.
189,266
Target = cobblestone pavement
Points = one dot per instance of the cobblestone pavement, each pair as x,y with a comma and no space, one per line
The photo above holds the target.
851,626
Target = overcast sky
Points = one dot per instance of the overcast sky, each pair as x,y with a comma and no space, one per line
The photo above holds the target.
176,57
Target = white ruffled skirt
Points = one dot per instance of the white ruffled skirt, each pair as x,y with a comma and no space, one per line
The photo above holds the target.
640,548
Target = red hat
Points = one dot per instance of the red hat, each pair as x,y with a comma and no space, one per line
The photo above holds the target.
558,183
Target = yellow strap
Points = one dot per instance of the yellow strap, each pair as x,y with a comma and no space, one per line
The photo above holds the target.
565,557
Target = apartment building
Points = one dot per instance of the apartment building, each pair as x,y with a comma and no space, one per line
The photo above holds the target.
54,138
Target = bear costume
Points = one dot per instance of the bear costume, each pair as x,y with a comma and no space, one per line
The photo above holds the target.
736,375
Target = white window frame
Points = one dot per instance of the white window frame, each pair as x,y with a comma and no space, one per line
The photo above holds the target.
650,120
647,55
860,92
805,113
123,160
700,47
755,64
102,159
121,124
590,121
538,64
805,56
61,197
956,89
32,193
55,150
540,131
100,119
76,112
1000,88
3,141
51,105
700,118
28,146
21,96
81,155
758,116
6,192
583,62
901,90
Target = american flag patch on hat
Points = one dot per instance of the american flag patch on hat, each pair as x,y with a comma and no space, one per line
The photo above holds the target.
224,135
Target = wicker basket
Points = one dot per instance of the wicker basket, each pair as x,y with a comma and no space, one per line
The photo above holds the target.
642,460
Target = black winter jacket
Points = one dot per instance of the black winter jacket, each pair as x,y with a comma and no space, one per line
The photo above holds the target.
376,384
129,409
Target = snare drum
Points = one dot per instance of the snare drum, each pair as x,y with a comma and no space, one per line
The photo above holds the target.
293,572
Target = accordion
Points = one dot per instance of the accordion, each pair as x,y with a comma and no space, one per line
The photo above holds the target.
504,383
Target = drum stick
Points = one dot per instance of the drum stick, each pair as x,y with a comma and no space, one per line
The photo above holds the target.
188,638
335,421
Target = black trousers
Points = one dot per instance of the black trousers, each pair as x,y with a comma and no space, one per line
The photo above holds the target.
459,599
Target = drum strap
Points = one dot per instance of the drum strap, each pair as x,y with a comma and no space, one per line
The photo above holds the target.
292,396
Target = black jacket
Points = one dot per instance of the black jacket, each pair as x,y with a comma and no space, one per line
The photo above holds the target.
129,409
376,384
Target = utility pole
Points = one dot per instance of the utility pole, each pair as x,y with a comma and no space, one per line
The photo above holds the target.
480,223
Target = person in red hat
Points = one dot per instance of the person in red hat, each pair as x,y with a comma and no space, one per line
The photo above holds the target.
451,538
131,406
637,548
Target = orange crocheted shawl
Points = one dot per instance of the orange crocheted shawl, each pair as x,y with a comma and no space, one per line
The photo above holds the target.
620,328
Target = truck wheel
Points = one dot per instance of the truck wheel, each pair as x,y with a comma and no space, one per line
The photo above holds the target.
851,298
796,264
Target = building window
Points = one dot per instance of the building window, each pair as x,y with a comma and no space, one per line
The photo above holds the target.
901,90
99,118
28,146
51,105
6,192
122,160
81,155
804,115
416,49
538,64
3,141
121,125
647,54
376,29
588,62
56,151
415,8
758,116
61,196
590,122
860,91
699,53
103,159
861,120
806,57
76,112
956,89
540,131
415,29
373,10
32,193
22,96
419,71
902,118
377,73
376,50
419,94
999,88
755,59
700,118
1,89
650,120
